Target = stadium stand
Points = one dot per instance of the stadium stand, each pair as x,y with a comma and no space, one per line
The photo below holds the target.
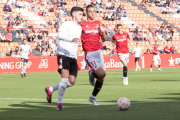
38,22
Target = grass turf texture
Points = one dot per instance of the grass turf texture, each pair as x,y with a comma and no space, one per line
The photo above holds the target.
154,96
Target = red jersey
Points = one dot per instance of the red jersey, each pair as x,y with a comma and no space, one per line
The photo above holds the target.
155,49
171,48
90,35
166,49
121,42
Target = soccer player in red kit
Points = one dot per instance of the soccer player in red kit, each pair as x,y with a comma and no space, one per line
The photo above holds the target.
156,56
121,39
92,31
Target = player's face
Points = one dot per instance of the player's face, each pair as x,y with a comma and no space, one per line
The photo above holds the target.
91,13
119,29
25,42
137,45
79,16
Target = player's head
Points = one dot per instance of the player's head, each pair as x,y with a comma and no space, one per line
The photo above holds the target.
24,41
155,42
119,28
137,44
77,14
91,12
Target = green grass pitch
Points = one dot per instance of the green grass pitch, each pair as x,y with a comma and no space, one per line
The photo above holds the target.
153,95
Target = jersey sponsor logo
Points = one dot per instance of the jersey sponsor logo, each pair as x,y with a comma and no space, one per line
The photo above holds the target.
121,40
14,65
87,26
124,36
43,63
92,31
97,26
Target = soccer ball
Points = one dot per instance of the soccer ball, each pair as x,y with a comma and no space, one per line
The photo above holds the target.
123,103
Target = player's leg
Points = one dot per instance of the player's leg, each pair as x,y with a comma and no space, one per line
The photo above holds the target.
124,58
68,79
93,60
136,62
159,64
25,66
99,72
154,58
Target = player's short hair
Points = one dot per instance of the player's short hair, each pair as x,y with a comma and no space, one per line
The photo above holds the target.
89,6
76,9
155,40
137,43
24,40
119,25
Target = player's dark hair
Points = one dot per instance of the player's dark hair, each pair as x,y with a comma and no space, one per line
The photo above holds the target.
137,43
24,40
76,9
119,25
89,6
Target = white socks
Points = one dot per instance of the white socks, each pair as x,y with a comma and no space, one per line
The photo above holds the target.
62,88
137,66
23,69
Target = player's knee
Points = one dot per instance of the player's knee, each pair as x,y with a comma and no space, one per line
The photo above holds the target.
101,75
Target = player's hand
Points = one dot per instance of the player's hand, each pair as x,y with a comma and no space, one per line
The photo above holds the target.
76,40
102,28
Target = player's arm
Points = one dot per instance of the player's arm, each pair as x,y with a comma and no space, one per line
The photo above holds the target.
103,32
113,41
63,33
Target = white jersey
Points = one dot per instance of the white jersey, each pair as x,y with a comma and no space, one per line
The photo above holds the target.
137,51
25,50
66,33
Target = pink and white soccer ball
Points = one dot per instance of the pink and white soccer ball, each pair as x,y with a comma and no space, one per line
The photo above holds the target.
123,103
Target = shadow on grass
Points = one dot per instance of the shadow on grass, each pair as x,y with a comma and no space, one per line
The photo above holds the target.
168,96
29,110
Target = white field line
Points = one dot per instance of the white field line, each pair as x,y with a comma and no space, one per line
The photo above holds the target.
31,99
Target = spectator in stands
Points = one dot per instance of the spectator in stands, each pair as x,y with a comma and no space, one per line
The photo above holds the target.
178,8
49,24
112,52
31,54
6,16
169,37
11,22
2,37
166,49
172,48
160,37
148,51
136,31
132,28
170,29
7,8
164,10
144,3
11,51
42,29
138,37
0,55
63,18
44,52
18,17
16,49
173,4
123,13
160,49
157,29
8,38
118,12
109,30
108,4
162,27
96,8
40,36
43,46
38,47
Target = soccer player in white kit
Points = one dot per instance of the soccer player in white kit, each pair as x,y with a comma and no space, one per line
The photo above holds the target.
25,49
137,52
69,35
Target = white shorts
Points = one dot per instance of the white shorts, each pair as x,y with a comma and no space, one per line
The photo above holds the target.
124,57
156,57
95,60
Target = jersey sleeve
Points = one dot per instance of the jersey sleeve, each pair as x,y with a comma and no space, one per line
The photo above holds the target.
113,38
63,33
127,35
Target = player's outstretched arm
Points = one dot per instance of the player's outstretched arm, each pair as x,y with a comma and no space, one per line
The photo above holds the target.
103,32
